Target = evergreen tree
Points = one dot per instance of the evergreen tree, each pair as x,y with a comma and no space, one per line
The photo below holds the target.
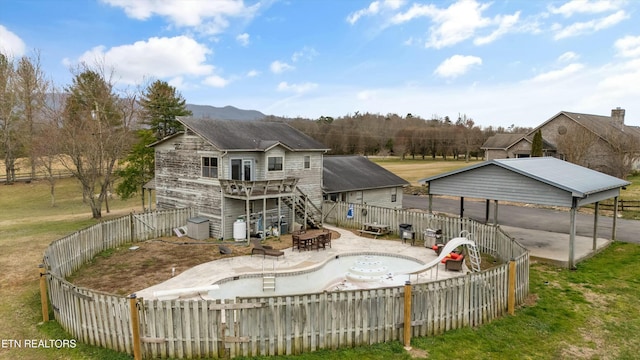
161,104
536,145
139,168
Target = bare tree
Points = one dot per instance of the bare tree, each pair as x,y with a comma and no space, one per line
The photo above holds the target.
625,151
94,136
46,142
30,87
575,143
9,119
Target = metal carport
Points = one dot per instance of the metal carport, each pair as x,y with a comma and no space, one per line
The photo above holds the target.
538,180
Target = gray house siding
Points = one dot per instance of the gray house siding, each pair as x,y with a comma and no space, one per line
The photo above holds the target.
496,183
179,181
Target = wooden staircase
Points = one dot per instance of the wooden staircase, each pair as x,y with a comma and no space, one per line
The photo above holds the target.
304,209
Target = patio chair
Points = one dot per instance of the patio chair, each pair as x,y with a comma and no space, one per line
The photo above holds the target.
258,248
295,241
454,265
327,239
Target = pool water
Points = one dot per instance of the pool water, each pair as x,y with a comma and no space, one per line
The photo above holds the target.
344,272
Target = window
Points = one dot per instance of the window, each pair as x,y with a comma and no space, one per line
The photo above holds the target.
275,163
307,162
210,167
394,194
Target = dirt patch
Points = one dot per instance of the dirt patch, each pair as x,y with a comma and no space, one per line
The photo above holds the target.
123,270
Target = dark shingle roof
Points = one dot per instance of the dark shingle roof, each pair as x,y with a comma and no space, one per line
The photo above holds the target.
502,141
233,135
350,173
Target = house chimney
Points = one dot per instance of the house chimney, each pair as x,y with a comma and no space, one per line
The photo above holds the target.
617,115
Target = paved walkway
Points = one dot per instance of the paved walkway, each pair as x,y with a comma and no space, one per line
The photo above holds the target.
208,273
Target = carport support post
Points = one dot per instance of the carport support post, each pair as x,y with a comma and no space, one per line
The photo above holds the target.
495,212
572,233
596,210
615,218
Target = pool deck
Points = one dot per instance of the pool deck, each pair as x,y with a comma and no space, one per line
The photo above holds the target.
208,273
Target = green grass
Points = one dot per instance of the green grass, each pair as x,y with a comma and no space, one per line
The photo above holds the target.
589,313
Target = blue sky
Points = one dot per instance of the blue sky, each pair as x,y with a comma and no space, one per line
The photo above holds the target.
499,62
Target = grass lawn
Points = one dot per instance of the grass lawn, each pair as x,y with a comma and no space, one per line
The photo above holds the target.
590,313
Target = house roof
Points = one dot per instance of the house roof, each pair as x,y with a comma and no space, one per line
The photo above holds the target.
604,126
502,141
351,173
231,135
579,181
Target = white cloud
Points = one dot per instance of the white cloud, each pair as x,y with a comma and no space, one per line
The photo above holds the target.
10,43
278,67
556,75
253,73
307,53
628,46
506,23
373,9
156,57
216,81
584,6
568,56
208,17
297,88
591,26
243,39
457,65
366,95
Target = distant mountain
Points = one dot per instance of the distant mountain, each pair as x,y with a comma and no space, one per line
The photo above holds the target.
224,113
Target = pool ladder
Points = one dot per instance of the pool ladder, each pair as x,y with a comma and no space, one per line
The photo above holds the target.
269,279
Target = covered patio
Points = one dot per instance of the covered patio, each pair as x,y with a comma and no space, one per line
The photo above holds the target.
543,181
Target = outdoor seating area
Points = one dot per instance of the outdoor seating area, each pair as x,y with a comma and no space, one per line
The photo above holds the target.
310,239
374,229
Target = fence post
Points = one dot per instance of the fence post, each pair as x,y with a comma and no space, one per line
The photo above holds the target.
511,301
135,326
132,227
43,293
407,315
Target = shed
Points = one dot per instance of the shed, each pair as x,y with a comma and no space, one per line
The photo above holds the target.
368,182
539,180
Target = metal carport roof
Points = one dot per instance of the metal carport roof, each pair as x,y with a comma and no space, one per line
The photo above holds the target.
537,180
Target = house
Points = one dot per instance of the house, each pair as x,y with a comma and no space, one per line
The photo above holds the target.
263,173
356,179
602,143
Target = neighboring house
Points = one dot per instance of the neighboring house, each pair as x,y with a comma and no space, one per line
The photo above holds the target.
356,179
602,143
226,170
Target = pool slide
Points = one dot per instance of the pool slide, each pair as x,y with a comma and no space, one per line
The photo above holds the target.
449,247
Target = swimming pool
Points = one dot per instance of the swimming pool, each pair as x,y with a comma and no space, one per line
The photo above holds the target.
342,272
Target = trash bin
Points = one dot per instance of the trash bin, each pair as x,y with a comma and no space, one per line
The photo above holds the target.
284,228
432,237
406,232
198,228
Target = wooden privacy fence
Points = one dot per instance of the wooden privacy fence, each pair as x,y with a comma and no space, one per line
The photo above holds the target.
279,325
91,316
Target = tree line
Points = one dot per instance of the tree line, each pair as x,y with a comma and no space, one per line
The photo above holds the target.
394,135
